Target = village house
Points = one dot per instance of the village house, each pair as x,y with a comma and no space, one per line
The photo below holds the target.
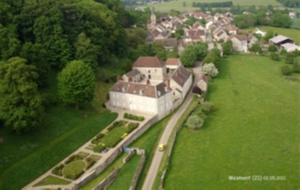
290,47
152,86
279,40
242,43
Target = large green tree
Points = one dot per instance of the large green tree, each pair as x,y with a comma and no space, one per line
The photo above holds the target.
20,104
86,50
76,83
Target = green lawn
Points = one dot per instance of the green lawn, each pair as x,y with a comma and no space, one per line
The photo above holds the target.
125,175
52,180
254,130
179,4
73,169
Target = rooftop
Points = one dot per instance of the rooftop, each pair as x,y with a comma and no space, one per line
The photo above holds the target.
148,62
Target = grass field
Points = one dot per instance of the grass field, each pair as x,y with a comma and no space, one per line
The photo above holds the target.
254,131
124,178
186,5
292,33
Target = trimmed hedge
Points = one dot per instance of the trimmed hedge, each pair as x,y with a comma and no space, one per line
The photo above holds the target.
133,117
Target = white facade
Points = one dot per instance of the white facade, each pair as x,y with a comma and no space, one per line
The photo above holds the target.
240,46
153,73
138,103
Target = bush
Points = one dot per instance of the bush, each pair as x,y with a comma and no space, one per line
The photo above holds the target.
97,139
209,69
195,122
58,170
289,58
133,117
89,162
99,148
73,158
296,68
286,70
275,56
207,107
272,48
131,127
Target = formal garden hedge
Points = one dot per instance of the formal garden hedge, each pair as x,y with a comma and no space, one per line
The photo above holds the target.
133,117
75,165
114,134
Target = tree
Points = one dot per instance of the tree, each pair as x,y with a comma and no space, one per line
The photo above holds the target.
195,122
210,70
76,83
10,44
227,48
270,34
189,56
289,58
160,51
201,50
86,50
272,48
286,70
275,56
20,104
256,48
213,57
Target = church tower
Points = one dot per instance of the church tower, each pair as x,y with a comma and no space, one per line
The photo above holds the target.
153,18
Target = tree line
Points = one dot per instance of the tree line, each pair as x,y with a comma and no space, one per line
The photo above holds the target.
275,18
290,3
213,4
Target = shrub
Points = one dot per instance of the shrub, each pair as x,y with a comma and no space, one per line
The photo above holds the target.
73,158
98,138
296,68
286,70
272,48
275,56
99,148
209,69
131,127
289,58
58,170
89,162
195,122
133,117
207,107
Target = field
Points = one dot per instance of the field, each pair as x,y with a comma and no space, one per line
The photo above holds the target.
292,33
253,131
186,5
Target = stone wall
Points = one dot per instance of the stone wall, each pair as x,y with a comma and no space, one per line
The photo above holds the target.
108,180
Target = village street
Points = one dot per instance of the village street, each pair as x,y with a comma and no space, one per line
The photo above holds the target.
158,155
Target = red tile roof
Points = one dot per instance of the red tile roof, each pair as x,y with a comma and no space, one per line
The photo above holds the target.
148,62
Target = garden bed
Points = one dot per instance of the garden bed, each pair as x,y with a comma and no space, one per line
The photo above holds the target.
75,165
114,134
133,117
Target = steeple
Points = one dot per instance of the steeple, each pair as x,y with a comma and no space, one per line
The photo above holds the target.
153,17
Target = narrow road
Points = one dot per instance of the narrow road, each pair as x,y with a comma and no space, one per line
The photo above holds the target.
157,158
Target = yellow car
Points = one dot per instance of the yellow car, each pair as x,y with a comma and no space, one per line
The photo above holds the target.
161,147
